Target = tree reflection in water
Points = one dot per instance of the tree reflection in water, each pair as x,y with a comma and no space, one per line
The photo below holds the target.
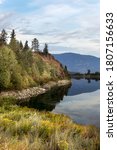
48,100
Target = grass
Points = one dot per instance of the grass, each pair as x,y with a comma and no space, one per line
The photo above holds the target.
28,129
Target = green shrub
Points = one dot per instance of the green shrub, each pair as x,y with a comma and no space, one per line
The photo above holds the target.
7,63
4,79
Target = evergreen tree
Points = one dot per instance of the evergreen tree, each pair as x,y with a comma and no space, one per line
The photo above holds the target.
3,37
35,44
66,71
66,68
21,45
26,47
13,35
13,42
89,71
45,50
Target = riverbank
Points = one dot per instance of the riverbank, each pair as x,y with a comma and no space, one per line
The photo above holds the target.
34,91
25,128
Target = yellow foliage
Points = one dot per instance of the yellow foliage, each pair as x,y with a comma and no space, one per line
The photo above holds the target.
63,145
41,130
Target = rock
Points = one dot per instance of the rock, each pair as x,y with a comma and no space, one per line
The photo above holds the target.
34,91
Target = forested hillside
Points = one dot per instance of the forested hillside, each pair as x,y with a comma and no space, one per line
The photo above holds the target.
79,63
22,66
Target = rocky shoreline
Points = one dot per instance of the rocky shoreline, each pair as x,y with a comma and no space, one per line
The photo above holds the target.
34,91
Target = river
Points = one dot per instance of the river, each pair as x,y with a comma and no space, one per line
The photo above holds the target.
80,101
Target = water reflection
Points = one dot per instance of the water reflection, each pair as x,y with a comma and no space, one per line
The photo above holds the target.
46,101
80,101
83,108
83,86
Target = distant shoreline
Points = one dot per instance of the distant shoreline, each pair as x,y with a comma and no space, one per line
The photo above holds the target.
91,76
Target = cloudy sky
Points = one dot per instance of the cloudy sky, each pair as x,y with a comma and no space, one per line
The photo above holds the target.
66,25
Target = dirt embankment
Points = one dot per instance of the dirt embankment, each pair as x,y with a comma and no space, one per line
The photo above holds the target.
34,91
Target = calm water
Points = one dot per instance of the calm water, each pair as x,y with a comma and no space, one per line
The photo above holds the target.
81,101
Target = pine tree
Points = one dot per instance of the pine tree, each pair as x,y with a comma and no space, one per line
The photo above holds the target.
3,37
26,47
89,71
35,44
66,71
13,35
45,50
13,42
21,45
65,68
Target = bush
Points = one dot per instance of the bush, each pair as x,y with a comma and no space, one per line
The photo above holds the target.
16,80
4,79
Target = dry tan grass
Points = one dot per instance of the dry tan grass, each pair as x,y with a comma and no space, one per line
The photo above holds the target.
28,129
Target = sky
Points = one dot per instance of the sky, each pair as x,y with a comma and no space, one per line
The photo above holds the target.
65,25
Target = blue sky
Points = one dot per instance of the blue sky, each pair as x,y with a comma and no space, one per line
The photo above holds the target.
66,25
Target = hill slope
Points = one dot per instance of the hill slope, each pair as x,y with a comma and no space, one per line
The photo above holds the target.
23,68
79,63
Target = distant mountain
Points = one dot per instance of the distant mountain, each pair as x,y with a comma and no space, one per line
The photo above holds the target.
79,63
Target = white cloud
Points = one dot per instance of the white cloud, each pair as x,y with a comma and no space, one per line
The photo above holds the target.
5,20
1,1
59,10
74,24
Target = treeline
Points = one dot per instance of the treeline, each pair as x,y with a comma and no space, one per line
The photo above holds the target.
16,45
88,75
20,67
